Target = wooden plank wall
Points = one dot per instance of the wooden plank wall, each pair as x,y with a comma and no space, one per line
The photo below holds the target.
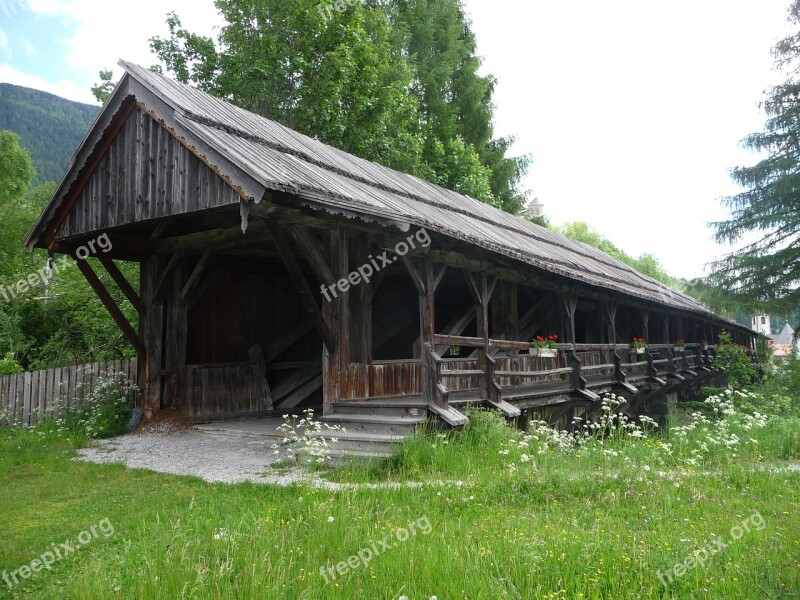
146,174
223,391
27,398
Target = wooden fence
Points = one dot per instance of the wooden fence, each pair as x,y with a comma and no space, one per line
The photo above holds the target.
26,398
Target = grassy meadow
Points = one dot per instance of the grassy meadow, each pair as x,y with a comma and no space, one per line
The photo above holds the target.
710,509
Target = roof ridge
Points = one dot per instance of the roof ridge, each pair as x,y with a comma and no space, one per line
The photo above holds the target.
519,226
595,254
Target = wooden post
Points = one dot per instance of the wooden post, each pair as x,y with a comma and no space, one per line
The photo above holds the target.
427,305
645,326
336,315
570,301
151,331
610,310
361,306
481,287
176,324
505,314
620,376
426,281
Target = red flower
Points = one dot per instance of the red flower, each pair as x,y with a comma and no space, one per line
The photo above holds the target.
539,338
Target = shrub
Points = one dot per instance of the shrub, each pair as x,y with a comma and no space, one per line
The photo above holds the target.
733,360
105,411
9,365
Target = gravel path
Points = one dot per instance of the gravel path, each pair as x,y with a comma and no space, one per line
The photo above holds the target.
213,458
216,457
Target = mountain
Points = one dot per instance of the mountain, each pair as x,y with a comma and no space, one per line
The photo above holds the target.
49,127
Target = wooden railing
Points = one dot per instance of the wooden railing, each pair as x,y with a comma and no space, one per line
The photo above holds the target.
576,364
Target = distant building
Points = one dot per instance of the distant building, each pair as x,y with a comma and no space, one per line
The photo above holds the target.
761,324
783,342
534,209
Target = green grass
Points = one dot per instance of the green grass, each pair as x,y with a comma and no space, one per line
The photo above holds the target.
570,522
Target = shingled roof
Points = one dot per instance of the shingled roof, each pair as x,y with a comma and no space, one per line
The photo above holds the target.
325,178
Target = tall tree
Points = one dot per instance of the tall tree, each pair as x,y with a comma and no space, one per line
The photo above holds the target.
343,72
456,101
333,75
16,168
768,270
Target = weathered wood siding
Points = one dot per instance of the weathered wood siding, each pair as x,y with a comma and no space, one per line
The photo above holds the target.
146,174
28,398
223,391
381,379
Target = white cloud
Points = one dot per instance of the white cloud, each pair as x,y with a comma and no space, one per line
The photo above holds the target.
97,39
64,88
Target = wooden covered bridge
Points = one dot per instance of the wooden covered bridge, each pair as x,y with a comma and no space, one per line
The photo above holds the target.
279,272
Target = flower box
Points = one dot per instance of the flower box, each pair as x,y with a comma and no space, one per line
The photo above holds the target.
544,352
638,350
679,349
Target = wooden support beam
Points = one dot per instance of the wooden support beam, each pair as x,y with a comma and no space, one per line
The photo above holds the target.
160,229
151,331
122,282
164,282
610,310
430,380
211,239
259,372
193,279
416,277
455,327
534,319
336,314
313,253
301,285
279,345
360,327
175,342
208,278
505,311
110,305
570,302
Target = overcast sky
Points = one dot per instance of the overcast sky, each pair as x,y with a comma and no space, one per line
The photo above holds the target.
632,111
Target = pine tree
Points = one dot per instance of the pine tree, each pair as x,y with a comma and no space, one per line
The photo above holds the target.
768,270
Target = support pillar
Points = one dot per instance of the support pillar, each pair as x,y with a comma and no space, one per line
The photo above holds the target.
336,314
151,332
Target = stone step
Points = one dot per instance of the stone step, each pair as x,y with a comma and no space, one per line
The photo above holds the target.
360,440
343,457
379,424
382,408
